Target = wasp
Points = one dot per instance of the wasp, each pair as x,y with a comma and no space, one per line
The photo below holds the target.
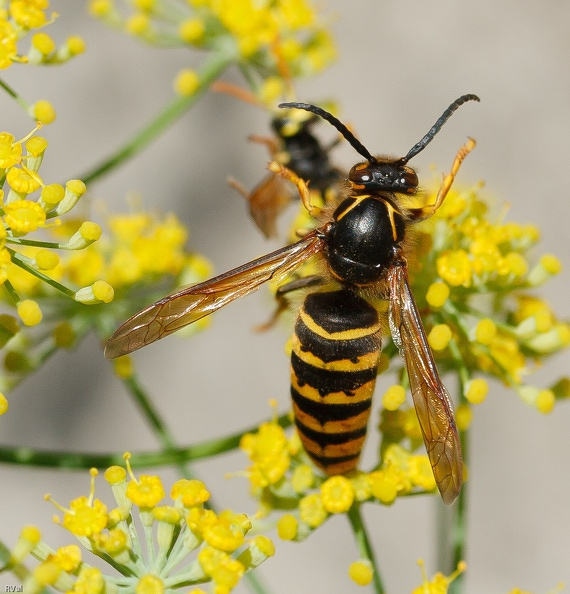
338,333
296,147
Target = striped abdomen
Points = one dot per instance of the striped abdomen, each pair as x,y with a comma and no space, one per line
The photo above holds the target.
334,364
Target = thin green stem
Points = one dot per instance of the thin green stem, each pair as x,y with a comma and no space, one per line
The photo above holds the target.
34,243
4,85
214,66
452,522
364,545
150,413
76,460
25,264
12,292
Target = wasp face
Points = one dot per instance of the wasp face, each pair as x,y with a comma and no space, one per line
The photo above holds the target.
383,176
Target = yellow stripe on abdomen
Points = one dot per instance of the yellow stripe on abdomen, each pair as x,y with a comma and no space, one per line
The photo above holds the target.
333,372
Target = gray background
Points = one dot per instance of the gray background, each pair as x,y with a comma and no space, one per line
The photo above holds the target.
400,64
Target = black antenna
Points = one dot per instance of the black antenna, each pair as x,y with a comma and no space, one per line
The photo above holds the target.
421,145
346,133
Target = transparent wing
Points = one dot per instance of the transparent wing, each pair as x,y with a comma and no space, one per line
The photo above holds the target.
431,399
194,302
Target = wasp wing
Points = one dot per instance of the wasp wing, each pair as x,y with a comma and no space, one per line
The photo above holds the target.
431,399
194,302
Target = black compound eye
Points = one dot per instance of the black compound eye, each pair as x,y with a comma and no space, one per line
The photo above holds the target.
360,174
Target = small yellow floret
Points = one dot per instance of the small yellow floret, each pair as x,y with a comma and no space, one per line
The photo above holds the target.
545,401
394,397
439,337
384,487
187,82
90,231
103,291
44,112
191,30
76,186
146,492
90,581
46,573
113,542
337,494
36,145
3,404
551,264
190,492
10,150
100,8
138,24
46,259
437,294
52,194
312,511
303,478
123,366
115,475
29,312
476,391
361,572
224,536
85,517
486,331
75,45
454,267
43,43
24,216
23,181
287,527
68,557
149,584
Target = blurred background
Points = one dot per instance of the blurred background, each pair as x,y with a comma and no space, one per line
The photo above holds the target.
400,64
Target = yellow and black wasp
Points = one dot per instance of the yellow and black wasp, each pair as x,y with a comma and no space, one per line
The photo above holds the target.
296,147
362,247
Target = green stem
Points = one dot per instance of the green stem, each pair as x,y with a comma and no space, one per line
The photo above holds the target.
364,546
452,521
14,95
76,460
25,264
150,413
211,70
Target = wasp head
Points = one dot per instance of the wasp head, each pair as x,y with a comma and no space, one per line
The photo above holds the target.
383,176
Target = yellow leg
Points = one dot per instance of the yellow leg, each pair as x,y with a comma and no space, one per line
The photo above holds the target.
426,212
302,186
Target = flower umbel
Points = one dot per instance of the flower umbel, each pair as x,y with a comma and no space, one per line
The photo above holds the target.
184,543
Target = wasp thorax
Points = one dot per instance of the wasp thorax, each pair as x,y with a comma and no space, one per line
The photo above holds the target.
390,176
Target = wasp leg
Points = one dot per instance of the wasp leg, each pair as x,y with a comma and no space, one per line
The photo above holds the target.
302,186
271,144
419,214
282,303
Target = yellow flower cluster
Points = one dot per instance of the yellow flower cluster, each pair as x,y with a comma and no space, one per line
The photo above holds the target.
29,205
283,479
153,560
274,37
474,285
20,18
141,257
